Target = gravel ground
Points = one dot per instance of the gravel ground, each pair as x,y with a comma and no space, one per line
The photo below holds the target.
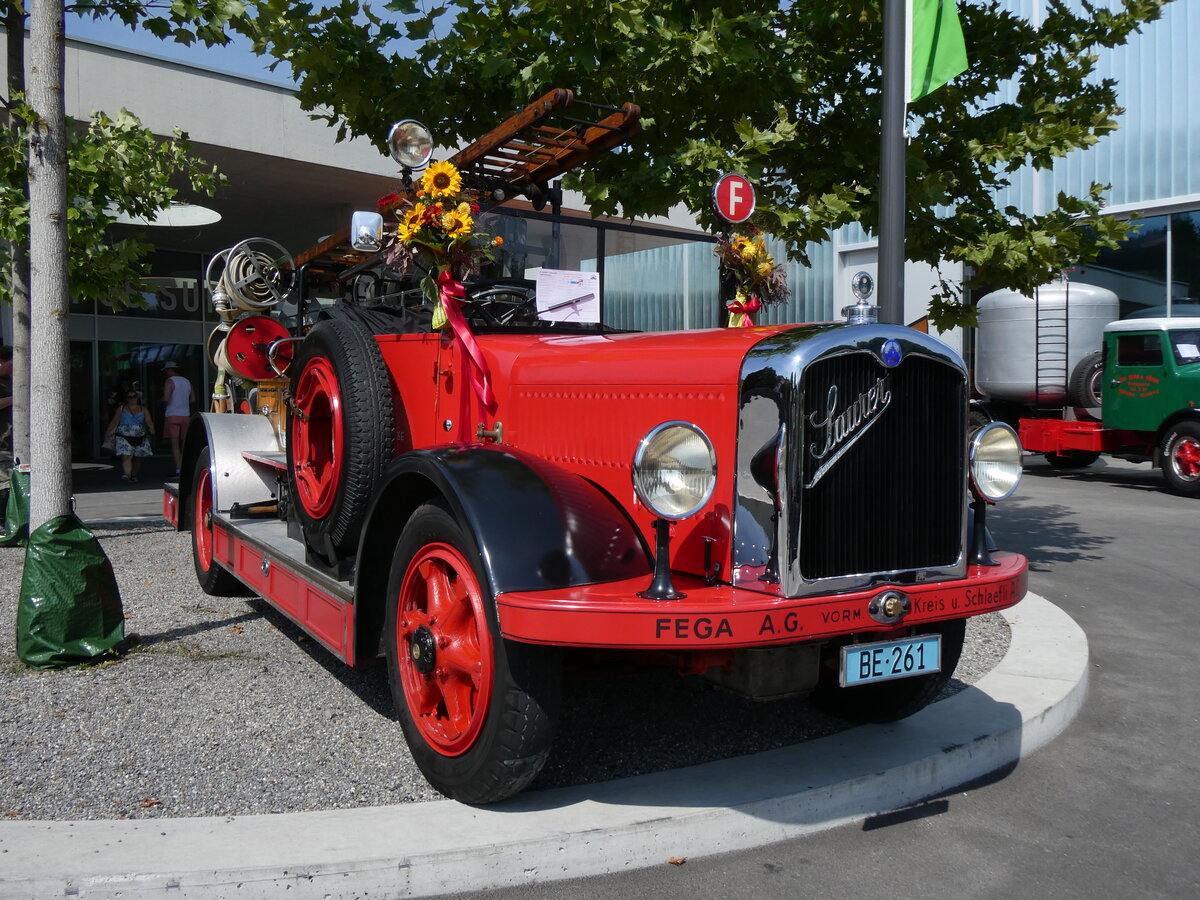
226,708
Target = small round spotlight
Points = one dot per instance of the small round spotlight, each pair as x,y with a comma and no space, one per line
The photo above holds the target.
410,144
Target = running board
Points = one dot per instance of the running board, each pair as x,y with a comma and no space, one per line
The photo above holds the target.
261,556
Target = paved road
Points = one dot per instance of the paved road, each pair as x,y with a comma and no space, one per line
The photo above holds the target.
1109,809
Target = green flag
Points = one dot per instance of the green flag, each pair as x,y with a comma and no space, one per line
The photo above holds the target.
937,51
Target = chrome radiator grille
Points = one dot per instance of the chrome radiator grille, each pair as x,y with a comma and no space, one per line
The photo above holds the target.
881,465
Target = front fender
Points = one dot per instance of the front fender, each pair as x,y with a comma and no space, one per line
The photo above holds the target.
535,525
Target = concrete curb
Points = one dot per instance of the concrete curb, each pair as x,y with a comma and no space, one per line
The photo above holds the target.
434,848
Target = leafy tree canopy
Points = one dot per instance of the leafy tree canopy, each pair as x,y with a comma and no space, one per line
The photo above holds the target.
787,93
184,21
114,165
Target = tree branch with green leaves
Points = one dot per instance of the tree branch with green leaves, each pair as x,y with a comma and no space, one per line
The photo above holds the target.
786,93
114,165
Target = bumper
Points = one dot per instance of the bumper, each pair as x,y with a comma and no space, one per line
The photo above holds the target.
612,615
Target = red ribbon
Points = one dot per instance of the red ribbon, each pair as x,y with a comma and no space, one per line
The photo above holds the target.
478,373
743,309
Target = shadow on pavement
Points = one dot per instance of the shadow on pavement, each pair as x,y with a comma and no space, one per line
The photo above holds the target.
1045,535
872,770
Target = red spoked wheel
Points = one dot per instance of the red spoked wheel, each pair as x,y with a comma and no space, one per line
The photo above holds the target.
477,711
1181,459
316,442
445,648
212,579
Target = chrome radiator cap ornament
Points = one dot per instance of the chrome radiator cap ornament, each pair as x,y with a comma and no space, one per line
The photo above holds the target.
861,313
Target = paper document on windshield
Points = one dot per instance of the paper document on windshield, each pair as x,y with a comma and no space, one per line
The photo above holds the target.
568,296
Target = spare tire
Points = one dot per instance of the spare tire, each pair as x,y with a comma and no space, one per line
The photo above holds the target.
1086,387
339,434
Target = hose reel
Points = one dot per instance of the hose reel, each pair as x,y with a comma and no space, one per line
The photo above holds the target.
258,274
245,282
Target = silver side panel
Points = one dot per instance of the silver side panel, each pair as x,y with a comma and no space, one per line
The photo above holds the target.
235,480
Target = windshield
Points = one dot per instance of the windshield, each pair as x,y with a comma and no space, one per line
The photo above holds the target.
1186,345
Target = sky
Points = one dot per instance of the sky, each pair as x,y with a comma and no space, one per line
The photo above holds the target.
234,59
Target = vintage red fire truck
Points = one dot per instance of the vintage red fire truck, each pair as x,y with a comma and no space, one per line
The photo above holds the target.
787,509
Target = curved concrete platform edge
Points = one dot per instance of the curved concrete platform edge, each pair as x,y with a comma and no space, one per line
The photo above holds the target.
441,847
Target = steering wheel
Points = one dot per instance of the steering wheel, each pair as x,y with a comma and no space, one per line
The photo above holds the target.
502,304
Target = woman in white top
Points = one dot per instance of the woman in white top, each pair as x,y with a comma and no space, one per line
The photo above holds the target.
178,395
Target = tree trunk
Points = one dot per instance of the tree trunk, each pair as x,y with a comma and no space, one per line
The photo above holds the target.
50,433
14,23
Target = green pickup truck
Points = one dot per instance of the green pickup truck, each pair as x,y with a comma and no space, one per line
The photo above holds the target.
1146,382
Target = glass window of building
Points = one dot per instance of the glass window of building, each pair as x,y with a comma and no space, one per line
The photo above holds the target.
129,366
1136,271
172,290
1185,263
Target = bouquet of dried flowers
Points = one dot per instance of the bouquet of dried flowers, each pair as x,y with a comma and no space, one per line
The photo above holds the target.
757,278
436,233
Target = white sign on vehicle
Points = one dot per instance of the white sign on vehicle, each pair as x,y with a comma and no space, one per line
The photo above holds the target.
565,295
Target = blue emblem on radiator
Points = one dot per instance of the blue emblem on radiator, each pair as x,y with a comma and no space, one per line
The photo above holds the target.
891,354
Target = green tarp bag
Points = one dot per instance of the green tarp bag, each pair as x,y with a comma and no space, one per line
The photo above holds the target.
16,516
69,611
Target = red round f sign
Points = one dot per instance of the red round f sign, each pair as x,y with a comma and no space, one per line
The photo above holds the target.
733,195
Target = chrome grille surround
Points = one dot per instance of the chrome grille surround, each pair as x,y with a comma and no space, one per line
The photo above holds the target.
885,503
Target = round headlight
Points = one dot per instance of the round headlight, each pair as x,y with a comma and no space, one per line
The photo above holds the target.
410,144
995,455
674,470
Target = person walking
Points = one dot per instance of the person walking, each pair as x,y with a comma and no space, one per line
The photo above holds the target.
178,395
130,431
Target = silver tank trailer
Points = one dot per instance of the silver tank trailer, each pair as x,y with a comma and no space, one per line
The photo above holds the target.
1067,319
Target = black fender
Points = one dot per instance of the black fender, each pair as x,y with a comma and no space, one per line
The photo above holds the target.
195,440
536,525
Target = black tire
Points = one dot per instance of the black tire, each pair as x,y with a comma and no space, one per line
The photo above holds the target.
212,578
1085,389
504,739
1181,458
889,700
1072,459
335,464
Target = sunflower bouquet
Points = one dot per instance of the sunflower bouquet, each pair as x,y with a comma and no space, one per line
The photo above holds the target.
436,234
757,278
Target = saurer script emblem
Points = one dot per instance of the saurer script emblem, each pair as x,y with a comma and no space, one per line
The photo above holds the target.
836,432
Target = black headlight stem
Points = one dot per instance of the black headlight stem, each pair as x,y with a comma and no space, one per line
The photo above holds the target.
661,587
980,555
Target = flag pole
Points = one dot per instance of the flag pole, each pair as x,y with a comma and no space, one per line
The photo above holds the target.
892,212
